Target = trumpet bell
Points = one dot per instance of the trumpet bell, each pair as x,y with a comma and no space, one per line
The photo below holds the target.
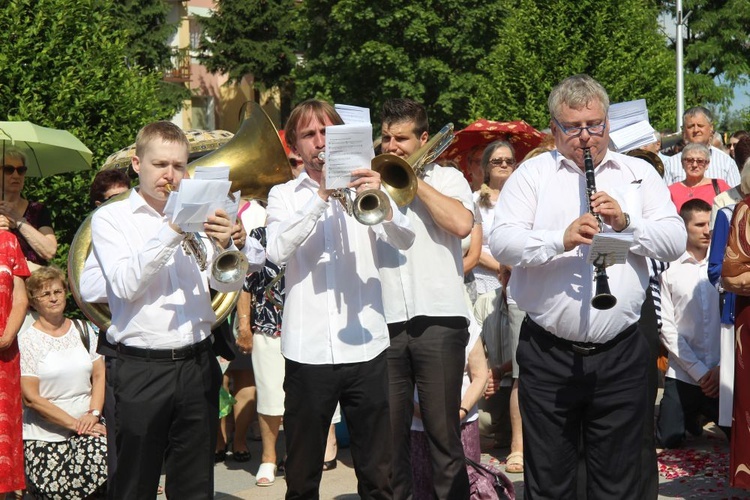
230,267
371,207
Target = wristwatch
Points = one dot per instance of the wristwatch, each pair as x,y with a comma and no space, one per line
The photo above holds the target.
627,223
95,413
19,223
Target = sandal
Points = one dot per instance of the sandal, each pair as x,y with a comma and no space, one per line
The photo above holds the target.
266,475
514,463
220,456
241,456
330,464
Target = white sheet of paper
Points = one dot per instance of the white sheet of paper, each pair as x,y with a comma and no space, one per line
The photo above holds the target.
348,148
217,173
196,199
352,114
610,248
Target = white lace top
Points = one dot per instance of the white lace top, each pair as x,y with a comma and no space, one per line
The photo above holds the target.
63,368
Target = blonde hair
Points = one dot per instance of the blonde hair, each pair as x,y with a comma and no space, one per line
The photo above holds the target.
164,130
41,277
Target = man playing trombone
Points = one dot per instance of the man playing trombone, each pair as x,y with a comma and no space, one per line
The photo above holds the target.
334,335
167,382
426,310
582,370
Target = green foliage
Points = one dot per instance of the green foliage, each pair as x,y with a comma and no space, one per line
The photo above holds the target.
245,37
62,67
543,42
361,52
144,24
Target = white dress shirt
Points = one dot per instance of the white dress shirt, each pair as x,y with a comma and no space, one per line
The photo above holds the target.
721,166
92,285
486,280
540,200
691,324
333,310
158,297
427,279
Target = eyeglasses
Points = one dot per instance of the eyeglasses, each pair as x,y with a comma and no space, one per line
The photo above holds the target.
9,169
596,129
499,162
49,293
698,161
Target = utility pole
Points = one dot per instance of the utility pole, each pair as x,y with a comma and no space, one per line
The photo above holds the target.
680,22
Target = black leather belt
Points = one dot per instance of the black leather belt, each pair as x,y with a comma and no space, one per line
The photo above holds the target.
176,354
582,348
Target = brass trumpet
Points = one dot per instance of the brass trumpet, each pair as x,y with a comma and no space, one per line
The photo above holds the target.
228,267
369,207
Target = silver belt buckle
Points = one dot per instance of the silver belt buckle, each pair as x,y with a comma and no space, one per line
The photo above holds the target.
583,351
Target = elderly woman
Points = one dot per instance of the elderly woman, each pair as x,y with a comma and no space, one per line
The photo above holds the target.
695,160
12,310
30,221
62,382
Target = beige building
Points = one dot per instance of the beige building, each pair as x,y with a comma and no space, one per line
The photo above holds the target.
214,104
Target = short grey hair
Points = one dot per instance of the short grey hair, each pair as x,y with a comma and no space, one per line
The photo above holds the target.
699,110
691,146
576,92
15,153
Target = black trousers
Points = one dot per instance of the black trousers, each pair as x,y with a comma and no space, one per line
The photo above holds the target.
312,392
681,403
110,369
565,397
166,412
649,483
429,352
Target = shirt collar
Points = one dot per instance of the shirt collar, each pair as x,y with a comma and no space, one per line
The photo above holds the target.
562,162
686,257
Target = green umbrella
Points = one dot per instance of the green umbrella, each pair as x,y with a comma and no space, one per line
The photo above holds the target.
48,151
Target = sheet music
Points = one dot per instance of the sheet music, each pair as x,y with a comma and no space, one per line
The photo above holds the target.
609,248
352,114
348,148
201,196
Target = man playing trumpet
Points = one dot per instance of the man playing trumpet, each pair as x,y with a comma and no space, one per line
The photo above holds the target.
334,335
167,382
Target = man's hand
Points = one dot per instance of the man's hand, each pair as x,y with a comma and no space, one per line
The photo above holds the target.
710,383
322,191
239,235
364,178
580,231
219,227
609,209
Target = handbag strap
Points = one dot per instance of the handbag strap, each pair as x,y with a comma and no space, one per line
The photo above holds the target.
715,184
83,332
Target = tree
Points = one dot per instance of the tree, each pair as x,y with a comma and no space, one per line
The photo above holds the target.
147,32
543,42
250,37
361,52
62,67
716,48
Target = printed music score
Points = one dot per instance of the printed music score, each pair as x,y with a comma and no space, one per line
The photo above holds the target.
609,248
348,148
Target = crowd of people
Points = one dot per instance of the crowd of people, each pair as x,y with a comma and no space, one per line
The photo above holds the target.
408,329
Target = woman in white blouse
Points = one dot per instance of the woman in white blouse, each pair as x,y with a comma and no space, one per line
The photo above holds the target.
62,382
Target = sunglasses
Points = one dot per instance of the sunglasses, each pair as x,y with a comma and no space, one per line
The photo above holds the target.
9,169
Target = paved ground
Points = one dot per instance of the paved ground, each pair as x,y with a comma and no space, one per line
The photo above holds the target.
702,459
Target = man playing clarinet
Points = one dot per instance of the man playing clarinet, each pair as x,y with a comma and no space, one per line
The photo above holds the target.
582,369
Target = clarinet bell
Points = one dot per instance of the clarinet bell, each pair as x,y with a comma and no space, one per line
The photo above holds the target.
602,299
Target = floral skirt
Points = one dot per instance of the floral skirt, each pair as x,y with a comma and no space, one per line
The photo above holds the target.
66,470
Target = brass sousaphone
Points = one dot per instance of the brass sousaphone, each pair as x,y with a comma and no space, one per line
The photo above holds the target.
257,162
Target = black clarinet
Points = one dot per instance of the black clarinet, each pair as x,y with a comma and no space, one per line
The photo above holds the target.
603,298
